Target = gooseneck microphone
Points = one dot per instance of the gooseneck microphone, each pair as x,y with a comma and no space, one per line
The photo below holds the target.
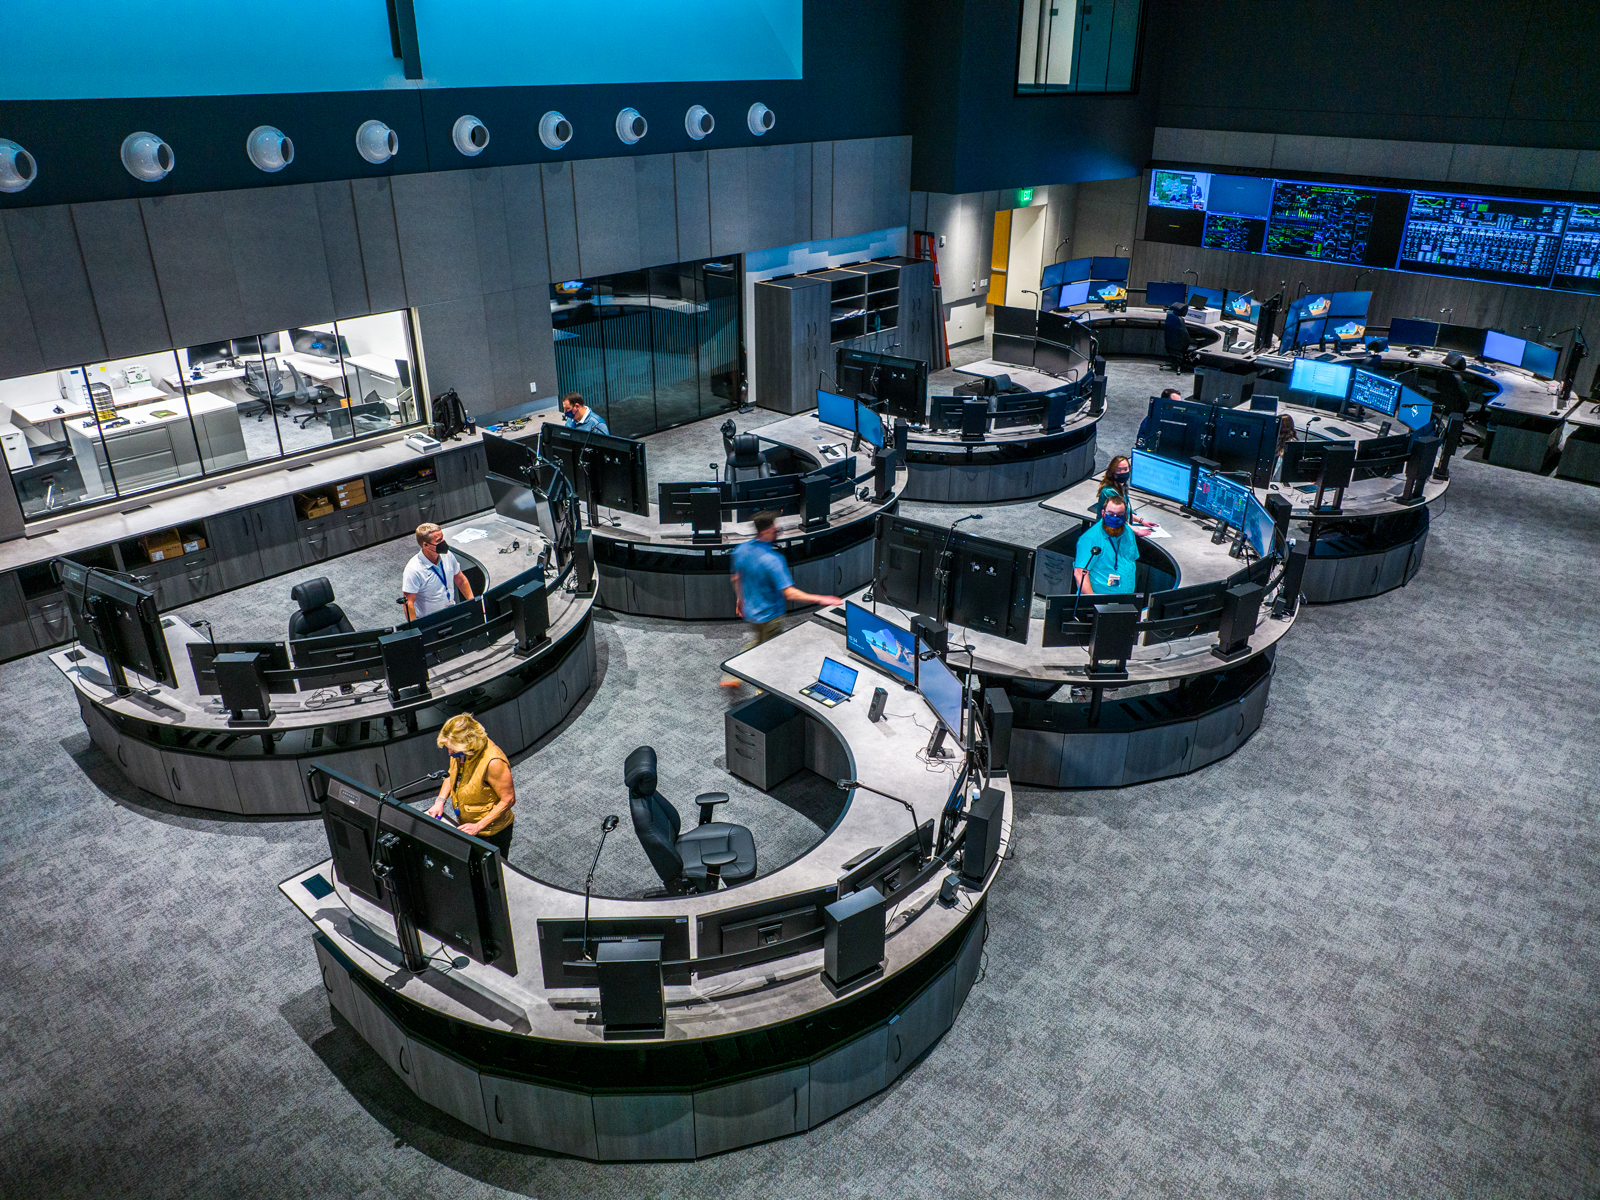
846,784
606,826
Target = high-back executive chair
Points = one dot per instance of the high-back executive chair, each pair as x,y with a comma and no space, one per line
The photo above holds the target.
691,861
318,613
744,459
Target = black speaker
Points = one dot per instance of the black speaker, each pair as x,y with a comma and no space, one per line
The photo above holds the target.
883,473
982,844
530,617
1424,450
705,514
879,699
935,633
902,436
1294,573
239,680
1447,451
974,420
405,665
582,563
997,719
852,939
1241,608
818,499
631,1001
1115,628
1279,509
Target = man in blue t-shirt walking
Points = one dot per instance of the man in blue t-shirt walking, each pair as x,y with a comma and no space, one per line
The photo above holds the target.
762,584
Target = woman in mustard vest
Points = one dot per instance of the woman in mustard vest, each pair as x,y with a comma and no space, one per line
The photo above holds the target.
478,784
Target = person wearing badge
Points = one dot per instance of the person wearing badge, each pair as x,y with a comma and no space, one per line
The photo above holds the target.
1107,561
433,578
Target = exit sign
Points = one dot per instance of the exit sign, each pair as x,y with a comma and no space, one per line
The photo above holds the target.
1024,197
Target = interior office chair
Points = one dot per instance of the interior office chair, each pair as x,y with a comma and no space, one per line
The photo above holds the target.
312,395
318,613
266,386
691,861
744,459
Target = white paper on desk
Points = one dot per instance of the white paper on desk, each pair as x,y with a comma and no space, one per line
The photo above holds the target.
470,535
1158,533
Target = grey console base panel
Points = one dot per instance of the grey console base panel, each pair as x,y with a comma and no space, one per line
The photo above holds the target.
958,483
662,1125
1330,579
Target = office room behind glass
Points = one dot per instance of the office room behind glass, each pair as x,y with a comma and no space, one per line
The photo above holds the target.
90,434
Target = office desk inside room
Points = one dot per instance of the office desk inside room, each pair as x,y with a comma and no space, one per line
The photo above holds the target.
44,411
162,442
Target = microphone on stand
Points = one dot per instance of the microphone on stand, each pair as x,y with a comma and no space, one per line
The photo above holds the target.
606,826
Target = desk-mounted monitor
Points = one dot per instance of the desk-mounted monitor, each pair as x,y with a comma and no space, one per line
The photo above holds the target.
1329,379
1160,295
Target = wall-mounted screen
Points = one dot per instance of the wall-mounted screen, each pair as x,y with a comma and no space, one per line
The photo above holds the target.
1335,224
1224,231
1179,189
1483,237
1578,261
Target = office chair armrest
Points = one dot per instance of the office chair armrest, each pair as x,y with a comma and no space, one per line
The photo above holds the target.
714,863
708,802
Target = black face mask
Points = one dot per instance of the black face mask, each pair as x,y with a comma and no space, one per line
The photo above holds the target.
1121,476
441,547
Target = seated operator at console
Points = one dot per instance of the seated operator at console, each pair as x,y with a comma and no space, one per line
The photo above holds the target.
579,415
1107,561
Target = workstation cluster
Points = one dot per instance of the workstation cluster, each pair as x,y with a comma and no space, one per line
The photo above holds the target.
93,433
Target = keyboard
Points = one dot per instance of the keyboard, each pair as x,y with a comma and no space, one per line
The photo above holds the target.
824,695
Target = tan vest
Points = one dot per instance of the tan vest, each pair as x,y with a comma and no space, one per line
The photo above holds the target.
473,797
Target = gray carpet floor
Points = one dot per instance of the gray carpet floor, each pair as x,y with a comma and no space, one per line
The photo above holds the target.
1357,958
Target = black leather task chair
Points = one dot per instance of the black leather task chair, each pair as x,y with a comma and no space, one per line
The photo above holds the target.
744,459
691,861
318,613
312,395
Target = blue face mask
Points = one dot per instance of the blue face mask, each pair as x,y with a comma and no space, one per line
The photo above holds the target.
1114,521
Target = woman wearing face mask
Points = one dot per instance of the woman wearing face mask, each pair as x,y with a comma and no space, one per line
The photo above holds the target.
1107,561
478,784
1115,482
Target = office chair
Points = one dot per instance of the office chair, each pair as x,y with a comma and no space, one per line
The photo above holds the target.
729,429
687,862
265,384
318,613
744,459
313,395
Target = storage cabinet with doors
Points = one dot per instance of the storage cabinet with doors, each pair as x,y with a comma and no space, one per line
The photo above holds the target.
277,536
232,539
403,497
201,782
463,482
792,341
16,632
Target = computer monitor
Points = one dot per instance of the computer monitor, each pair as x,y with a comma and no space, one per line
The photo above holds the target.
1404,331
893,868
870,425
203,661
1414,411
1102,267
1159,295
1018,412
267,343
836,410
1107,291
337,659
1381,455
1540,360
318,342
1302,461
1503,348
561,941
609,470
1245,441
1463,339
899,384
1183,612
1221,498
879,642
455,885
517,461
939,686
1181,428
497,600
1259,529
350,815
210,352
734,939
1377,392
129,627
1073,293
450,632
1071,271
1320,378
906,556
1069,620
991,586
675,501
782,494
1160,476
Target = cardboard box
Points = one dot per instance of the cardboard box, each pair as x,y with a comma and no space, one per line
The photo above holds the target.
168,545
352,491
313,505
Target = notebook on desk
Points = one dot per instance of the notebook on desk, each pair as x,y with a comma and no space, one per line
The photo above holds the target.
835,684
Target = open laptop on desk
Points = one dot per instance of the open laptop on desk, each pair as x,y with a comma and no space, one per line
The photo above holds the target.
835,684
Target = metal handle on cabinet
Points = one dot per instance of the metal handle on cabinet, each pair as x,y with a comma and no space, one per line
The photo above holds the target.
403,1066
499,1116
377,770
176,786
326,986
1185,753
1241,721
121,757
899,1047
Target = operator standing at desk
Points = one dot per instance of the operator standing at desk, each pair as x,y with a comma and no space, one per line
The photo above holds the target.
761,584
433,578
1107,561
579,415
478,783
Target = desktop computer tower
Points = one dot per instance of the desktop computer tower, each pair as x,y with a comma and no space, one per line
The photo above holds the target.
982,844
631,1001
1241,609
583,563
1424,450
405,665
530,617
1452,439
997,720
853,939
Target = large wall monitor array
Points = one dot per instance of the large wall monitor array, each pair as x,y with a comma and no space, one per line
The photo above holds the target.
1499,239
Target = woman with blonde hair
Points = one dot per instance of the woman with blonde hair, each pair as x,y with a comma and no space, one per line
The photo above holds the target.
478,783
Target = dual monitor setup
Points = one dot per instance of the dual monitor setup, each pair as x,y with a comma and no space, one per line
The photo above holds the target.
319,343
1489,345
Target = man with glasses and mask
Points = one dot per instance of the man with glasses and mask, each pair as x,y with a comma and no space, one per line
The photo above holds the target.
433,579
1107,561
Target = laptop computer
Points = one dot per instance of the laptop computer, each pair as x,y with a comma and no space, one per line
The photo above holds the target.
834,684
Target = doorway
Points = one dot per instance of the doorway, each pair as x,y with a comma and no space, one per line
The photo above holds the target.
1016,256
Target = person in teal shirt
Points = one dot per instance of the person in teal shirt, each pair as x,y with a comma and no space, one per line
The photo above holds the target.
1108,552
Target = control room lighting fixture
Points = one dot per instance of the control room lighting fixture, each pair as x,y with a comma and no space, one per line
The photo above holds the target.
269,149
376,142
17,168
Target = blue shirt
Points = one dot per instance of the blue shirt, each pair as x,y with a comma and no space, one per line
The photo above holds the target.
592,421
1118,556
763,574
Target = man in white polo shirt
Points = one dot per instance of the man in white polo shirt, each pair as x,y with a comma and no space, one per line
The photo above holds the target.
433,578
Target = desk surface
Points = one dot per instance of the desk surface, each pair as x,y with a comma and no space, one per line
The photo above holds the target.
144,416
44,411
882,755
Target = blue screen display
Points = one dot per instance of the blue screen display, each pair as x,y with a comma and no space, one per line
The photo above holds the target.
1320,378
836,410
1541,360
1403,331
1108,268
1073,293
1502,347
885,646
1259,530
1376,392
836,675
1104,291
1160,476
1070,271
870,424
1240,196
1414,410
1221,498
1162,294
942,690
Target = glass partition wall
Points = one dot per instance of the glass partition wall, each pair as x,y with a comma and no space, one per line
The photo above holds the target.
92,434
650,349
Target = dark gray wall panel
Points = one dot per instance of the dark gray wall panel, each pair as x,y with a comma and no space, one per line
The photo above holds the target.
489,225
19,348
728,175
657,208
608,215
194,265
438,236
532,306
341,249
891,181
821,190
455,343
852,187
560,220
525,244
802,193
45,247
691,183
121,276
769,174
505,356
278,258
380,244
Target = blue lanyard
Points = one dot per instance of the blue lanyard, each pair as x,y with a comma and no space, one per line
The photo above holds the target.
438,569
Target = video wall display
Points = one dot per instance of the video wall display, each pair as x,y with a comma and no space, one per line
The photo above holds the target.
1498,239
